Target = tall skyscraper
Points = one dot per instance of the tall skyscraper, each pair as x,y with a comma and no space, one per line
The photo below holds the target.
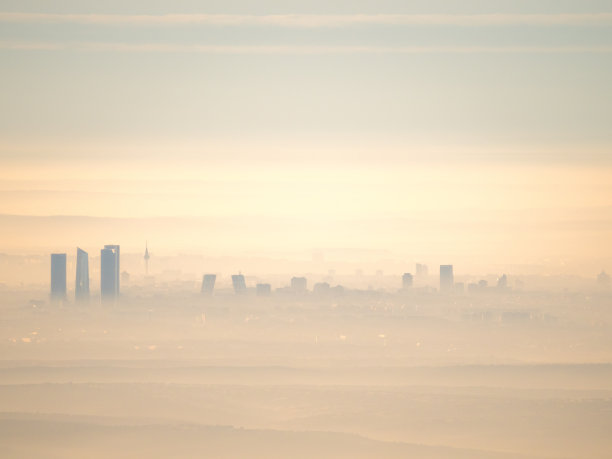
447,279
208,283
407,281
81,285
58,276
299,284
109,272
146,258
239,283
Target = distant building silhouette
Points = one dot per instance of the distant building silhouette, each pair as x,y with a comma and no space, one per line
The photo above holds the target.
58,276
447,279
299,284
603,279
208,283
263,289
483,284
502,282
109,272
81,285
421,270
407,280
146,258
239,284
321,288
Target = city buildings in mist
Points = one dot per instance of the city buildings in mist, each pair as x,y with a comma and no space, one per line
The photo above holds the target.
110,272
239,284
407,281
322,285
208,284
58,276
447,280
81,288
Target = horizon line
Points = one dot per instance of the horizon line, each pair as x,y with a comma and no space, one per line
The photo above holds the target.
313,20
296,49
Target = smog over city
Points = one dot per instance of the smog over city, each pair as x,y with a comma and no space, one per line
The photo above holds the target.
306,229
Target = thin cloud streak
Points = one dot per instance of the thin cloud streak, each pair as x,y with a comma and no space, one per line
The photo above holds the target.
314,20
297,50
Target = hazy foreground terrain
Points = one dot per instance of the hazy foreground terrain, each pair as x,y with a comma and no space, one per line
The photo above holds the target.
369,374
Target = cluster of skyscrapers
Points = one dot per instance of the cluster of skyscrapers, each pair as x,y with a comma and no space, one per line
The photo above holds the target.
109,274
110,277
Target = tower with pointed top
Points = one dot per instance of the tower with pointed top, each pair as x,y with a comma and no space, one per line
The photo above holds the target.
146,258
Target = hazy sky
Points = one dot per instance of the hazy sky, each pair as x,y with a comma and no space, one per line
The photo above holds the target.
449,112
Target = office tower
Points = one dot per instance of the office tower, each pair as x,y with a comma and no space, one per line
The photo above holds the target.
146,258
502,282
447,279
421,270
407,281
299,284
109,272
263,289
81,285
239,284
58,276
208,283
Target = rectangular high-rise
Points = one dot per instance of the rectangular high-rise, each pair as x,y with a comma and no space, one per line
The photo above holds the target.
109,272
447,279
407,281
81,286
208,283
239,283
299,284
421,270
58,276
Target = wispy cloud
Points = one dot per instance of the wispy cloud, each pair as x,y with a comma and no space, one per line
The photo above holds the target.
292,49
314,20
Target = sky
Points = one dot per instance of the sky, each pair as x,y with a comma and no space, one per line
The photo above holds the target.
457,130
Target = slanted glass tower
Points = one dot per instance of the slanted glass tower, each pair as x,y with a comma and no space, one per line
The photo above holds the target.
81,286
208,283
58,276
109,272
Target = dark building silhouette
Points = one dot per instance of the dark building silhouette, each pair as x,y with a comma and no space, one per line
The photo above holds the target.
502,282
58,276
81,285
407,281
263,289
239,284
109,272
208,283
299,284
447,279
